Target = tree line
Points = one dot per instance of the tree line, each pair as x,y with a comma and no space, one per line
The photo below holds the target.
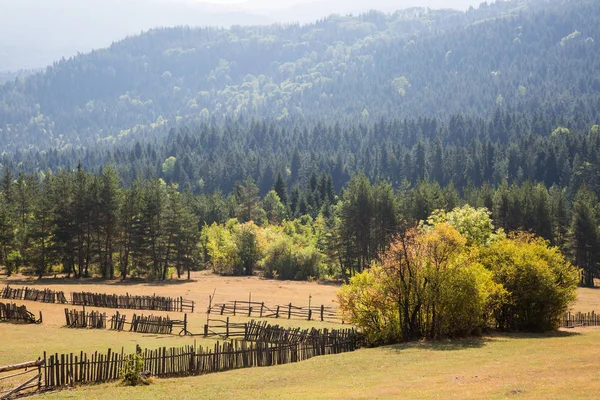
461,150
84,224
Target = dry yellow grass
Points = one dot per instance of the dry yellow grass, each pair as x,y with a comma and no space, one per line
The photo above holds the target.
27,342
199,288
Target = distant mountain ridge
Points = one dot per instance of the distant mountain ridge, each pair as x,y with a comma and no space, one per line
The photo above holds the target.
518,54
34,34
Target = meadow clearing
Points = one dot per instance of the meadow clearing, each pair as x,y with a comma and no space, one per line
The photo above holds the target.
557,365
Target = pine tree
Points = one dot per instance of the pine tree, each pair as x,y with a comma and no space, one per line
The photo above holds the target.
128,226
110,203
355,215
584,234
42,228
248,200
64,221
281,189
295,166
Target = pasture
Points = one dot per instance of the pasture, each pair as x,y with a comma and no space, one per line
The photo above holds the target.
24,342
560,365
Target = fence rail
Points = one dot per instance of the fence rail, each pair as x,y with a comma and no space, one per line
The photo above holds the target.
289,311
14,384
13,313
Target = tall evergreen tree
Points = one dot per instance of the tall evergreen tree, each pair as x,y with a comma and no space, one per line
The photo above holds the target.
585,240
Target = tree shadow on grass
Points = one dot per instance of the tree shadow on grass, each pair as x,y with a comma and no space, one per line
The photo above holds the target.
479,342
563,333
445,345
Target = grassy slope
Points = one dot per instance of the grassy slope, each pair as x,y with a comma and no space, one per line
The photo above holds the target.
561,366
558,366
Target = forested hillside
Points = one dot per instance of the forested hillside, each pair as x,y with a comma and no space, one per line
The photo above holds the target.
531,56
507,147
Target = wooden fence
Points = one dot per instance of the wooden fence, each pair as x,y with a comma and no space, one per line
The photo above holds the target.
71,369
288,311
158,325
14,313
254,331
44,296
572,320
156,303
81,319
118,322
31,371
225,328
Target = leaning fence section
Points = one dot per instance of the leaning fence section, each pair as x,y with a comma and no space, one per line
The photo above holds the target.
26,293
118,322
286,311
14,313
262,331
156,303
157,325
82,319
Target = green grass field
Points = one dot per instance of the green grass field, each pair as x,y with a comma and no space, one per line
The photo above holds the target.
563,365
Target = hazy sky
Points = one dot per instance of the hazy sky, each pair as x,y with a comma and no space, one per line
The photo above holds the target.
274,5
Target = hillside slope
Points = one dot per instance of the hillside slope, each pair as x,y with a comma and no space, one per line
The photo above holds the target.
523,55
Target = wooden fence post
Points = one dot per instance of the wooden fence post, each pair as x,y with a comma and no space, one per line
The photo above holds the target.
322,311
39,382
290,311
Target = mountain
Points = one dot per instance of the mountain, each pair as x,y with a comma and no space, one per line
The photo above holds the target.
524,55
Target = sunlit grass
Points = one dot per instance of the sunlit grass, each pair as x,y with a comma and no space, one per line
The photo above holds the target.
555,366
539,366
